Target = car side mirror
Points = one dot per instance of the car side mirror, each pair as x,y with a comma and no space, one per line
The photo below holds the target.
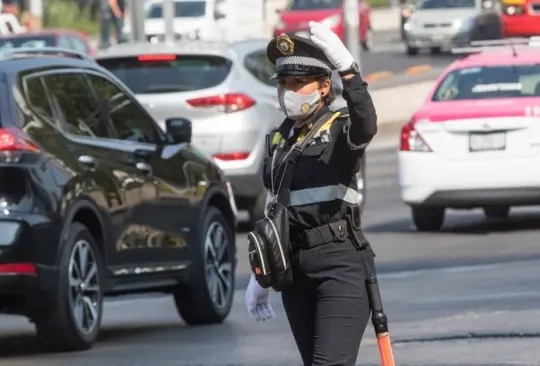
218,15
178,130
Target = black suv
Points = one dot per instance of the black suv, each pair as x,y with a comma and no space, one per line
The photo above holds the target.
96,200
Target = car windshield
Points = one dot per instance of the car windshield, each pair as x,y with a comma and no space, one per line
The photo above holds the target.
314,4
149,74
513,81
445,4
26,42
182,9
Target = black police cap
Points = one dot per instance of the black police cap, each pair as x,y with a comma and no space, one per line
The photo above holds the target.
294,55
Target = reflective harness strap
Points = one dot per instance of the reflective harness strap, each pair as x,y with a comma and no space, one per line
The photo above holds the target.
323,194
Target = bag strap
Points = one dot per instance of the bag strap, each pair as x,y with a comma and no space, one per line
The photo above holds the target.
297,150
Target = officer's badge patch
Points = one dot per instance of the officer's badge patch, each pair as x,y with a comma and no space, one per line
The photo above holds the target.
285,45
305,108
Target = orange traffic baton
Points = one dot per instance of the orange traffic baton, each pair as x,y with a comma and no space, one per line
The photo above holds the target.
380,322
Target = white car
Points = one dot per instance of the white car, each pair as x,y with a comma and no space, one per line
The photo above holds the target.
475,143
193,19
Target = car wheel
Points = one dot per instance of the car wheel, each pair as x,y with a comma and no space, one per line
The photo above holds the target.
73,320
256,211
361,184
412,51
367,44
497,212
208,297
428,218
435,50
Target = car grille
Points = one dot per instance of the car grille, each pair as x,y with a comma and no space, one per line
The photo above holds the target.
161,37
535,8
437,25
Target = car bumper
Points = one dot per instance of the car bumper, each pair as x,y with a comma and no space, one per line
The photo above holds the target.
426,179
521,26
22,255
237,133
443,41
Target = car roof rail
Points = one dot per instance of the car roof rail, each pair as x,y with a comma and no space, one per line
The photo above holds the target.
512,44
8,54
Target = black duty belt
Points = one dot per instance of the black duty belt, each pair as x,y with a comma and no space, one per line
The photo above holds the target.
324,234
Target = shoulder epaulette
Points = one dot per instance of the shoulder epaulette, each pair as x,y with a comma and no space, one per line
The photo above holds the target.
344,113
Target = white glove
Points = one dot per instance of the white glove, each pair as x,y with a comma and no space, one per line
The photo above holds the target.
331,45
257,301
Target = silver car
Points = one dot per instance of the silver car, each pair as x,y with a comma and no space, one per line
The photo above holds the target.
443,24
224,89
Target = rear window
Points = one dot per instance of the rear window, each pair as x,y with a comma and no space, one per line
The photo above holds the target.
445,4
182,9
315,4
149,74
517,81
27,42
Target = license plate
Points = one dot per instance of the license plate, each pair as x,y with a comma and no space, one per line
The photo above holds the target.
487,141
302,34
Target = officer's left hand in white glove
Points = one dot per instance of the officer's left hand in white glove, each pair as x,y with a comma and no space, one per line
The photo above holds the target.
331,45
258,301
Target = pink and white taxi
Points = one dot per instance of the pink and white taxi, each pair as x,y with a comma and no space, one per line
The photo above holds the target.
475,142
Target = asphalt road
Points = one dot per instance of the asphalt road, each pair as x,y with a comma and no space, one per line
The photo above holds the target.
387,63
473,266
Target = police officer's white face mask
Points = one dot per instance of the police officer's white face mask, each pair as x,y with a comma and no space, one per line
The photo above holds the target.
297,106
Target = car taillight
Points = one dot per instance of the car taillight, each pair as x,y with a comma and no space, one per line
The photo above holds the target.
232,156
226,103
18,269
159,57
411,139
14,147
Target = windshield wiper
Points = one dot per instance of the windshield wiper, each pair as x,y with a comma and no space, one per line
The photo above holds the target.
168,88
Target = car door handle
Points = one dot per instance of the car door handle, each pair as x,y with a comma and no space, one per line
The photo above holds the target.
144,167
88,161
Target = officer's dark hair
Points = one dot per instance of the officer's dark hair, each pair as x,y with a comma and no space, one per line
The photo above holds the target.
331,96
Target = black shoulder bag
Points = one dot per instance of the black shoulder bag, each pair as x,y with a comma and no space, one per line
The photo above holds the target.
269,242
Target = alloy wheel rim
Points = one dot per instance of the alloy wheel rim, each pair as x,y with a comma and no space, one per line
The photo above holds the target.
219,269
84,294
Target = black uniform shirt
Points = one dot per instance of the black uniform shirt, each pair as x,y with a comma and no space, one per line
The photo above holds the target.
324,181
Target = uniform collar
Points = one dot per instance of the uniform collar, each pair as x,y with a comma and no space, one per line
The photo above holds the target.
289,123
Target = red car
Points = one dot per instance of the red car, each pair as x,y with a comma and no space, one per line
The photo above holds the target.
520,18
295,18
63,38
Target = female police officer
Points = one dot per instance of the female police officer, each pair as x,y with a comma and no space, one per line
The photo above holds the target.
327,305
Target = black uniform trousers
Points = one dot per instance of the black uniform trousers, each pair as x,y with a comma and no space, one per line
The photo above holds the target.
327,306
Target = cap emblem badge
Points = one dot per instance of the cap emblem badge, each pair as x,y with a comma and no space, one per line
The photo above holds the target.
305,108
285,45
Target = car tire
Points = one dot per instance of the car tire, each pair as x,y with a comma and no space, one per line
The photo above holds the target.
435,50
256,211
367,44
213,264
73,321
428,218
362,184
497,212
412,51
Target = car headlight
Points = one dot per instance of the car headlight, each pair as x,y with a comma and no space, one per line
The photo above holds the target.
408,25
280,24
332,21
513,10
463,25
196,34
